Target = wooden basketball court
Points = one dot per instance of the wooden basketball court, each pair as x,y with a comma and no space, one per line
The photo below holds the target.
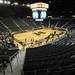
36,36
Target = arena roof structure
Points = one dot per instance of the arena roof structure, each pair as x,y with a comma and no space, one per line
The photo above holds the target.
20,7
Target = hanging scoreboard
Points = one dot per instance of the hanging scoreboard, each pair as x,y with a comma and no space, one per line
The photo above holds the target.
39,11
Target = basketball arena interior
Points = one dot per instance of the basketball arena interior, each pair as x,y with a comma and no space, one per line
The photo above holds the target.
37,37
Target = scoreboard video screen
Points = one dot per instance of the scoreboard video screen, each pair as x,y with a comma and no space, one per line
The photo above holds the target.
43,15
39,15
35,15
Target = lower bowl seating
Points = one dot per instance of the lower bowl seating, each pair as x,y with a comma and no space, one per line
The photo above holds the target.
49,60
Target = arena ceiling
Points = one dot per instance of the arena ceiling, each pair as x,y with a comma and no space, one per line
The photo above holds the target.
56,8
